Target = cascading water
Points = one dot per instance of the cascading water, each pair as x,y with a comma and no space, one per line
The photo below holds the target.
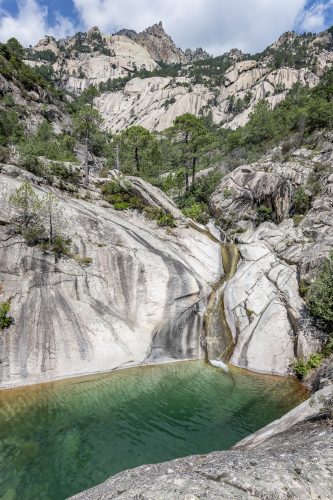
219,339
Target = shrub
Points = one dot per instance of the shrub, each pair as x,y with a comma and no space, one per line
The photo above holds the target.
4,155
60,170
303,288
315,360
163,219
328,348
33,234
301,201
264,213
197,212
302,367
320,293
227,193
111,187
32,164
60,245
83,260
118,194
5,320
297,219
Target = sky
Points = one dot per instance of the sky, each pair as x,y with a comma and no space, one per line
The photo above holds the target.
215,25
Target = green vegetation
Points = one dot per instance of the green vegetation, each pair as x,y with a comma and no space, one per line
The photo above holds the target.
163,219
194,202
83,260
136,151
301,201
211,71
292,52
40,220
41,55
5,320
165,70
319,296
303,111
87,123
302,367
119,194
190,134
264,213
46,143
13,68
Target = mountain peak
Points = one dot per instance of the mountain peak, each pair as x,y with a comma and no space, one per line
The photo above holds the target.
156,29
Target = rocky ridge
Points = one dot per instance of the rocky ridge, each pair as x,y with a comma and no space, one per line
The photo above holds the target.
92,58
160,45
155,102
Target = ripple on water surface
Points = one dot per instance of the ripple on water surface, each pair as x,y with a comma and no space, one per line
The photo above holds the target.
60,438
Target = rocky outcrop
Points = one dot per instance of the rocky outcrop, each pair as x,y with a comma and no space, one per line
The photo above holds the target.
142,102
198,54
269,322
263,310
291,458
268,184
91,58
160,45
141,300
153,103
36,106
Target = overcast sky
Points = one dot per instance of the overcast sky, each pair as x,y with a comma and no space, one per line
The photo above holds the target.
215,25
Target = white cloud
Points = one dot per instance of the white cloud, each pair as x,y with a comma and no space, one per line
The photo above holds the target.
217,25
314,18
30,24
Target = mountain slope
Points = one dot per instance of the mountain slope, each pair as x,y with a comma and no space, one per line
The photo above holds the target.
227,87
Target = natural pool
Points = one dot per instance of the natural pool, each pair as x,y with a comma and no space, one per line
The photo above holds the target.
60,438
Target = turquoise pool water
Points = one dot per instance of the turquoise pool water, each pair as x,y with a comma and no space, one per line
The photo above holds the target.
60,438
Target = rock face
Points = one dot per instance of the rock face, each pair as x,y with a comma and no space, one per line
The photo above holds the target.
141,300
263,309
272,184
198,54
153,103
160,45
245,82
268,184
91,58
280,462
269,322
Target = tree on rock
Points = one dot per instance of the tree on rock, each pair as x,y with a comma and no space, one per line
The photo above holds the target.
190,133
87,123
138,150
28,205
320,294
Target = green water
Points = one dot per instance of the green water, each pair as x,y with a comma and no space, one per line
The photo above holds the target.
61,438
